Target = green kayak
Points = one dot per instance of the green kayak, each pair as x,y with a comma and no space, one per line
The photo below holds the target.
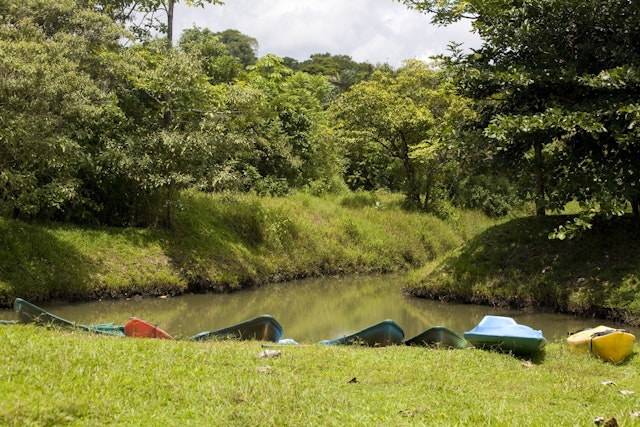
261,328
381,334
438,336
30,313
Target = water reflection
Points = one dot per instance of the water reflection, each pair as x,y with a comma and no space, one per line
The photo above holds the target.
312,310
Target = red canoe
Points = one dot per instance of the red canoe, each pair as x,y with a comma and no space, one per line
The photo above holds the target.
138,328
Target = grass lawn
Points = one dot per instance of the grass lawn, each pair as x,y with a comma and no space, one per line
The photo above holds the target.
57,377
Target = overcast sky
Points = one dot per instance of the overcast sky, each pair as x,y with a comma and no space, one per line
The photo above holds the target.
375,31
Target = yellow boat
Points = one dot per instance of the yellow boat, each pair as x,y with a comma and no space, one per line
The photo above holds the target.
609,344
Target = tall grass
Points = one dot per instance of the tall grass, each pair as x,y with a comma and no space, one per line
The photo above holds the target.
222,242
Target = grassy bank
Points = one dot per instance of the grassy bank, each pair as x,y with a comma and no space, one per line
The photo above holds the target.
53,377
514,263
224,242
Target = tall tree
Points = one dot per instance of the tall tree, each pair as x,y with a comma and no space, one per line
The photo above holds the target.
409,114
240,46
217,61
55,113
559,82
146,17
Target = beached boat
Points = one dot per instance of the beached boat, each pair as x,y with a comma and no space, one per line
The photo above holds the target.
261,328
438,336
609,344
381,334
138,328
505,334
30,313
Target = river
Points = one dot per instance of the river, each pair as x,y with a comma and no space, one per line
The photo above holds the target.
312,310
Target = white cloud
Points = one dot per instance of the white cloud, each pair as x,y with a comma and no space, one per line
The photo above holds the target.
375,31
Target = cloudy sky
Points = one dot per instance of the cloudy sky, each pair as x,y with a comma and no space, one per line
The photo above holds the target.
375,31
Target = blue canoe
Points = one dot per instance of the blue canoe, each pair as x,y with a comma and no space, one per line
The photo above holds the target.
381,334
261,328
505,334
30,313
438,336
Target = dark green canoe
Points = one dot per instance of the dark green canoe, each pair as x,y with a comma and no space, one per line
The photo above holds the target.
260,328
381,334
438,336
30,313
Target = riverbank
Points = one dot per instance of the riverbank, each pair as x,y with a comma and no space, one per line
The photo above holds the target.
223,243
72,378
515,264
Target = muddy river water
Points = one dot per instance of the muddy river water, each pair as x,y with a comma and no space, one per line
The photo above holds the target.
312,310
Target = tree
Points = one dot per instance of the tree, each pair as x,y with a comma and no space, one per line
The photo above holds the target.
217,61
411,116
240,46
146,17
55,113
558,83
342,71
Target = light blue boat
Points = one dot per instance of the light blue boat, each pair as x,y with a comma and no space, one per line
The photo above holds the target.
505,334
381,334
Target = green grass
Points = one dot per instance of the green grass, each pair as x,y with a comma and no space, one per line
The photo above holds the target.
220,243
54,377
514,263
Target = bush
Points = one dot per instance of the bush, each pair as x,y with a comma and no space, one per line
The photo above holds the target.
495,195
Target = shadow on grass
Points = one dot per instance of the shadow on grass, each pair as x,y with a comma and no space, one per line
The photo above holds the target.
516,264
36,265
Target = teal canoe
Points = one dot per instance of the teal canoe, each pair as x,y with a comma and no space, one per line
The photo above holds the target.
438,336
506,335
261,328
30,313
381,334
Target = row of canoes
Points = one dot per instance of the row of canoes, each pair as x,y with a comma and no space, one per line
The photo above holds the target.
493,332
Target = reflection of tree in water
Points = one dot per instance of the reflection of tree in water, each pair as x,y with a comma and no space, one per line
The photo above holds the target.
314,309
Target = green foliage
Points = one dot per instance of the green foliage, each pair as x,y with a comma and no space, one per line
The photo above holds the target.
217,61
495,195
52,108
516,264
342,70
407,119
558,84
240,46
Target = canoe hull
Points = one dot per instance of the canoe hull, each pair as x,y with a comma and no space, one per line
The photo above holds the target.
609,344
381,334
260,328
30,313
138,328
506,335
438,336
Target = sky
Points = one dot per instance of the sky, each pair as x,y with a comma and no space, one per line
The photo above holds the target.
374,31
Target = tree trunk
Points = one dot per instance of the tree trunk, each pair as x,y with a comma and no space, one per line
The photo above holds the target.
414,192
168,116
540,204
170,5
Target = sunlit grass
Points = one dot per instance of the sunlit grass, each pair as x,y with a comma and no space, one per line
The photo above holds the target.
53,377
222,242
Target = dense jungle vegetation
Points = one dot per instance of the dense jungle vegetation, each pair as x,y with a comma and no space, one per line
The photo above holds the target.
106,118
